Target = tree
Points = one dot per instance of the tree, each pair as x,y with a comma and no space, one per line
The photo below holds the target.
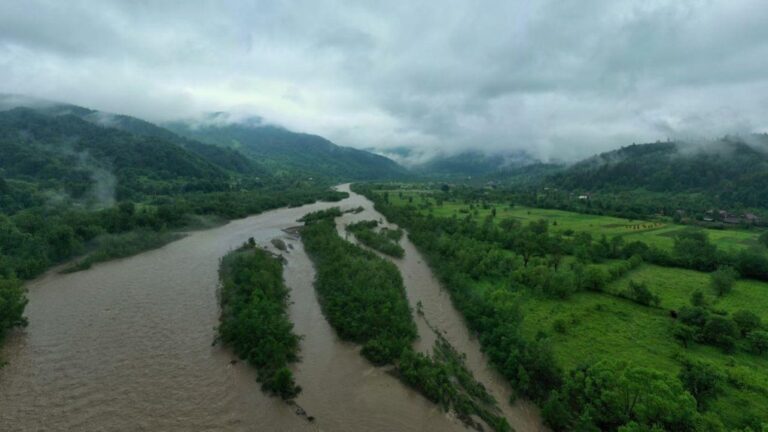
763,239
692,249
595,278
752,262
721,332
283,384
684,334
637,427
613,394
13,300
758,342
556,412
617,246
747,321
639,292
722,279
528,245
701,380
698,299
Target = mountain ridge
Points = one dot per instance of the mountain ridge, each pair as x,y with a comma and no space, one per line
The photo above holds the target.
283,150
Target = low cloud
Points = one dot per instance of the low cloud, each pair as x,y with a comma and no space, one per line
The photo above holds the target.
560,80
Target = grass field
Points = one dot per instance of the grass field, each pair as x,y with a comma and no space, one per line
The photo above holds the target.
731,239
654,233
600,327
675,287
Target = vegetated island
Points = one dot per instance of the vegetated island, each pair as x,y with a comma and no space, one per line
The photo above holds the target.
363,297
254,319
384,240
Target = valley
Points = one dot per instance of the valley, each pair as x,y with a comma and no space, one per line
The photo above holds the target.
344,216
145,272
113,344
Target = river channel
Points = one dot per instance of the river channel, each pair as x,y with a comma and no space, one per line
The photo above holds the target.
127,345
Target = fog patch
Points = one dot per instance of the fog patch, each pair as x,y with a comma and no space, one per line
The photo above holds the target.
102,192
222,119
103,119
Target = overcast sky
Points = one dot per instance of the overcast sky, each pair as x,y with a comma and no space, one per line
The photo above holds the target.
559,79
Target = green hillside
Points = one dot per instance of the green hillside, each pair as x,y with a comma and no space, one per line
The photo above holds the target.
731,172
286,152
69,155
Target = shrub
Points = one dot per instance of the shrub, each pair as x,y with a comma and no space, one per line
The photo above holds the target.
721,332
560,326
722,279
747,321
758,342
702,380
639,293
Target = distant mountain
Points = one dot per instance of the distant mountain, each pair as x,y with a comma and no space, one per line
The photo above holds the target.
473,164
732,170
66,154
225,158
286,152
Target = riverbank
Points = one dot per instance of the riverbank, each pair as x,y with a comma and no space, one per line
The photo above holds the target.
127,344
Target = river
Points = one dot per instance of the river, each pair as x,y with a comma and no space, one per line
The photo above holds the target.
127,345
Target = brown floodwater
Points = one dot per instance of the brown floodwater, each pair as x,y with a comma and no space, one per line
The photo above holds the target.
127,345
422,286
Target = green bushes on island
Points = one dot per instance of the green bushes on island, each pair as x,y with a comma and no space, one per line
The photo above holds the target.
362,295
320,215
363,298
444,379
254,319
384,241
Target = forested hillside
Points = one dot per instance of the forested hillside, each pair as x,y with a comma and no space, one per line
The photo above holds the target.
71,156
225,158
731,171
473,164
286,152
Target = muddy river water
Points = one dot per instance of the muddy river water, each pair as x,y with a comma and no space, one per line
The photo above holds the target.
127,346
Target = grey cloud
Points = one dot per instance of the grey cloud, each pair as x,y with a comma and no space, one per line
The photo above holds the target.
557,79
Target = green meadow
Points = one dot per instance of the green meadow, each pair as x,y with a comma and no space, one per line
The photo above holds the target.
676,286
654,233
590,327
593,326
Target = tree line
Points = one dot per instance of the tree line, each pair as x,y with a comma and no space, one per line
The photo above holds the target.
34,239
531,258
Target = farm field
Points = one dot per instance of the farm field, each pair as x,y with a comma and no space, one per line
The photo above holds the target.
654,233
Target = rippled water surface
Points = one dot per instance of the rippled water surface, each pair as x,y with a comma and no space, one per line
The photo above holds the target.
127,346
